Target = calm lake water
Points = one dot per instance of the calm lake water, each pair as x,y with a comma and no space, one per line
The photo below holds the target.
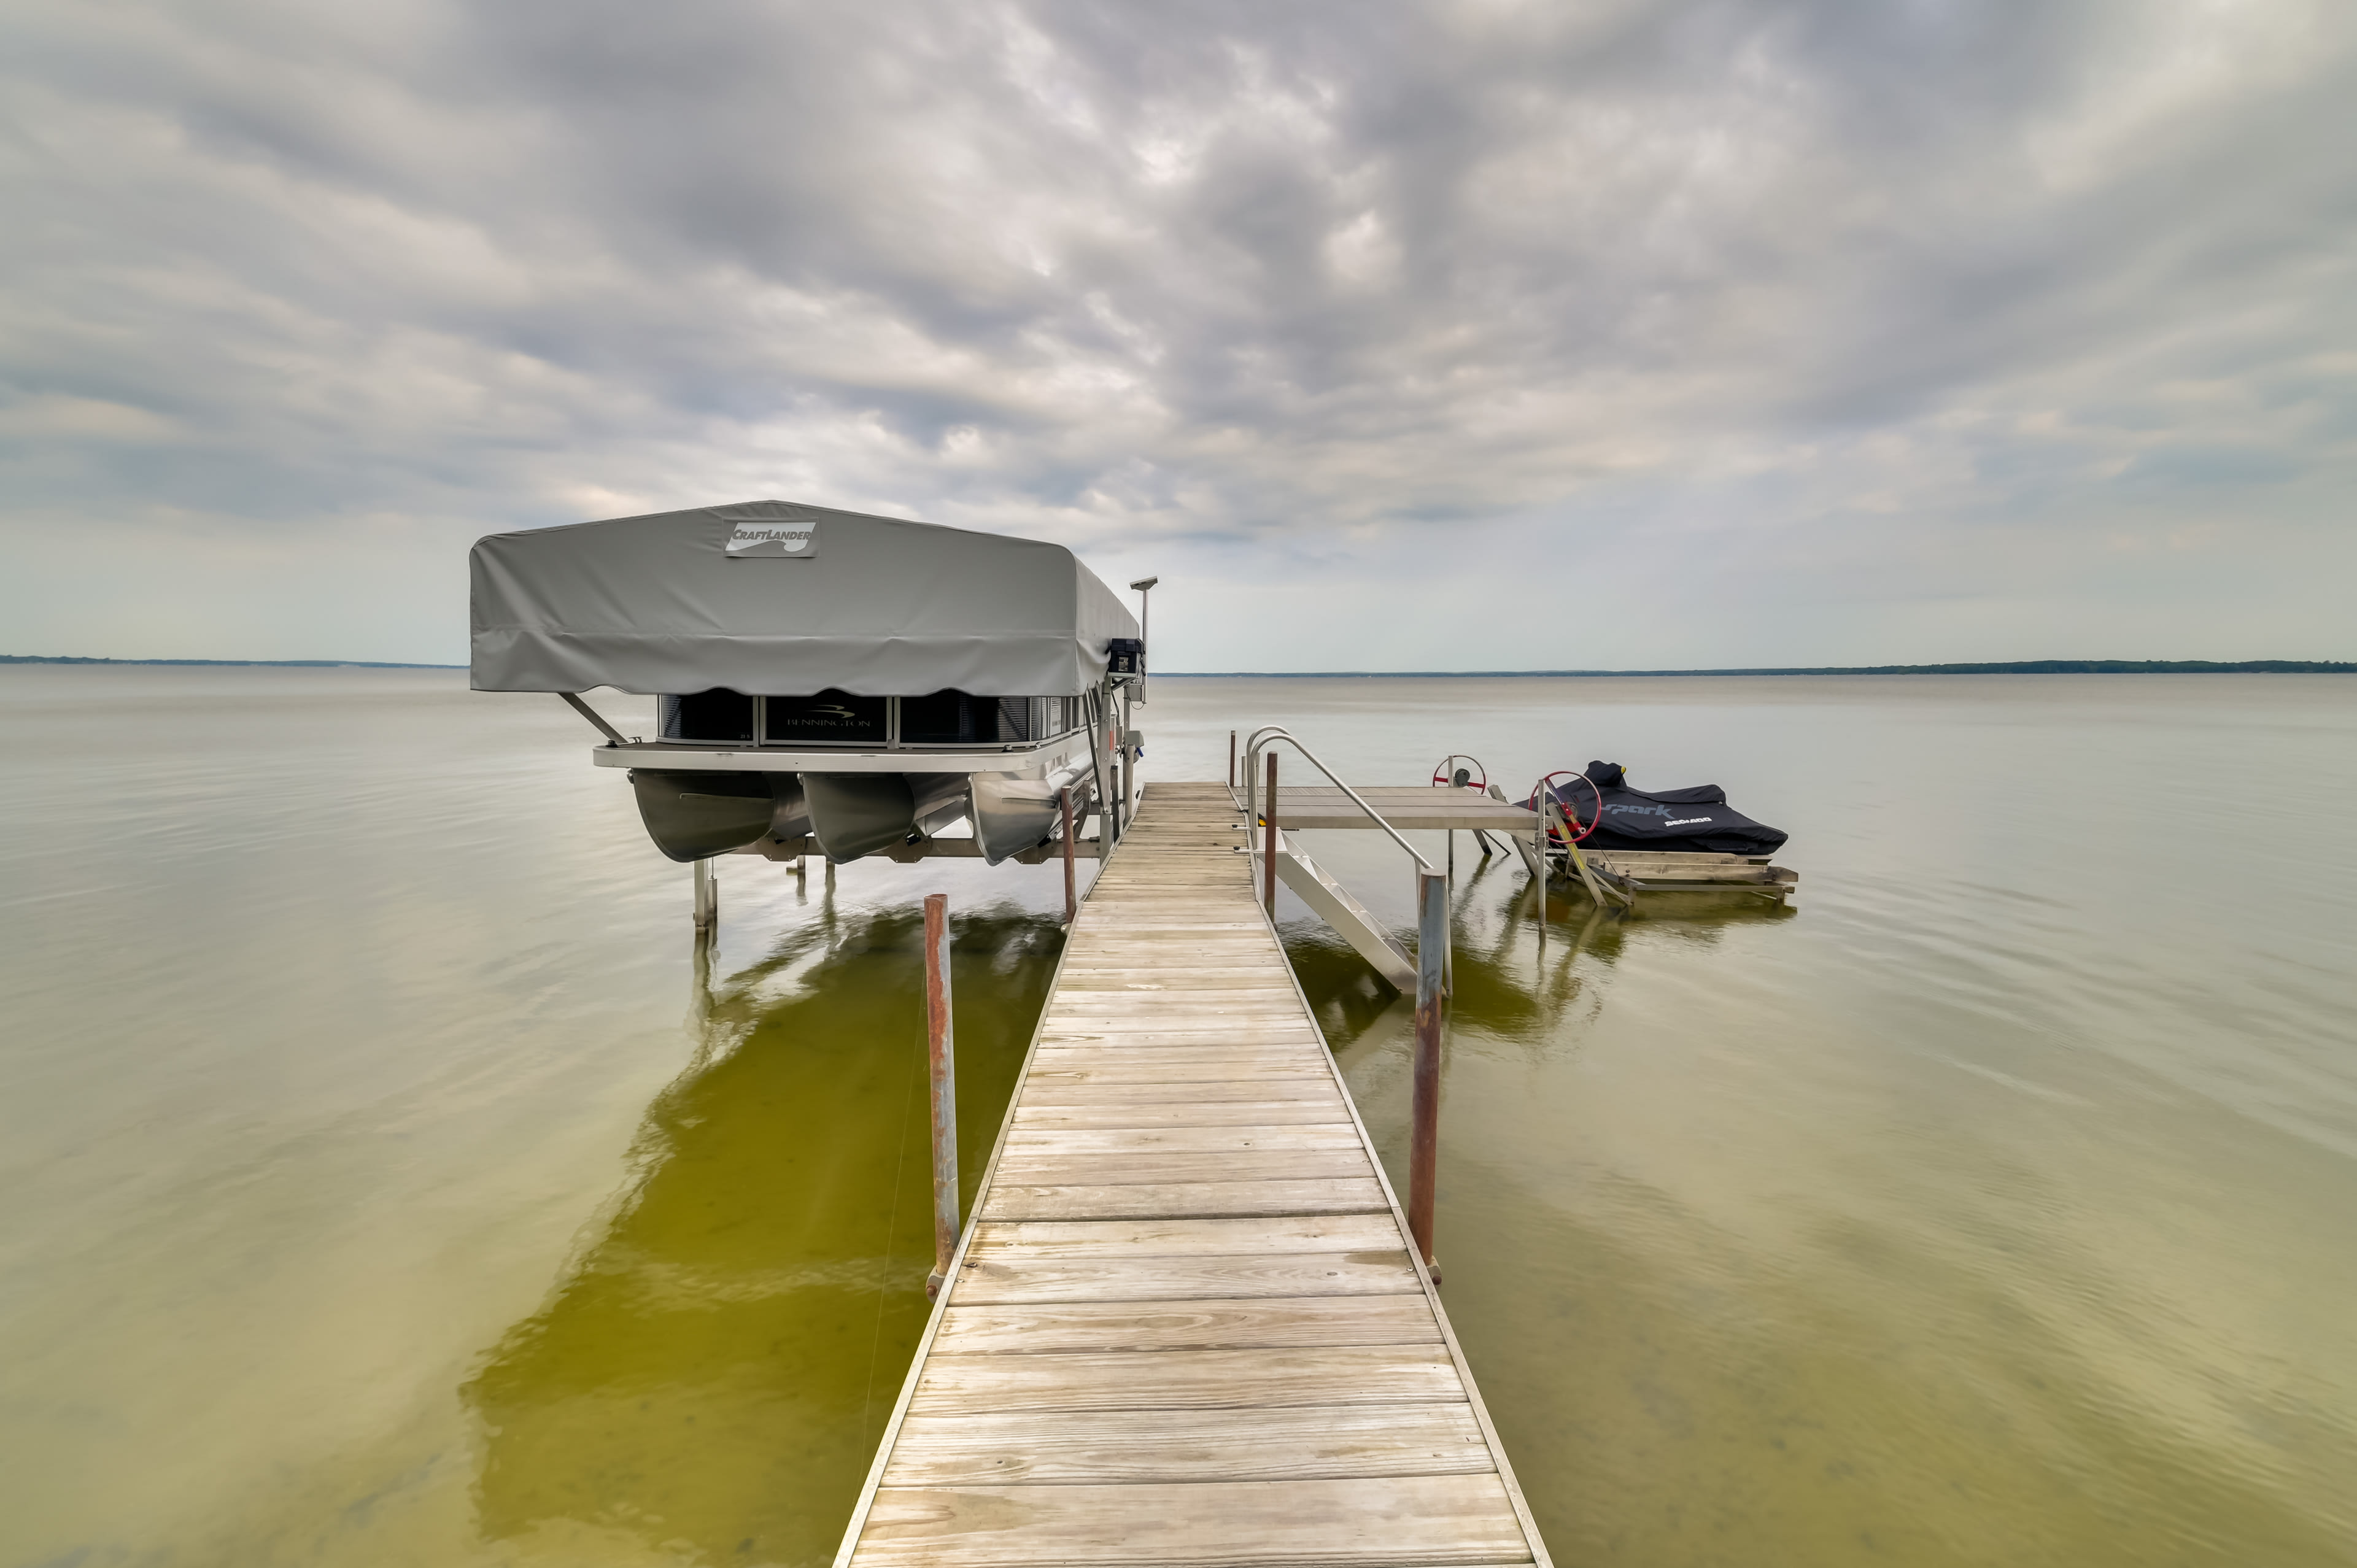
391,1181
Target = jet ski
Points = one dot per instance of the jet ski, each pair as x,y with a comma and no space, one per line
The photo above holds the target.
1609,814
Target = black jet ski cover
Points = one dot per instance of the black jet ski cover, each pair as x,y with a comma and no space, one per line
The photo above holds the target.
1694,820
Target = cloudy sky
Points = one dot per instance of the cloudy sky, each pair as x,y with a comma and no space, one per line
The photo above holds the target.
1467,333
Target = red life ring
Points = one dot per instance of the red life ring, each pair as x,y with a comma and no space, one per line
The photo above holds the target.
1541,793
1442,774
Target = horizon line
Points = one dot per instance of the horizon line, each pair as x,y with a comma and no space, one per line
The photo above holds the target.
1992,667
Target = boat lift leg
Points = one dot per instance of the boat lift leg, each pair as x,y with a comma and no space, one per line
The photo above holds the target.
708,896
1072,893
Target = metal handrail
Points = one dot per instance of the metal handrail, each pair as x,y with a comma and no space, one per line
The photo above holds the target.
1435,955
1267,734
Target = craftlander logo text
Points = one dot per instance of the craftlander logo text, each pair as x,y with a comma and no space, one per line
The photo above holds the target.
797,539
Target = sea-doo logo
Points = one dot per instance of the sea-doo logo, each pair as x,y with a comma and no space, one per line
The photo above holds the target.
1663,812
796,541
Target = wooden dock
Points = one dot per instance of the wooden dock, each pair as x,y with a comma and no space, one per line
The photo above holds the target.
1185,1324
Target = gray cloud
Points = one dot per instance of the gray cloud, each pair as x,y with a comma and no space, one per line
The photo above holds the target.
1623,333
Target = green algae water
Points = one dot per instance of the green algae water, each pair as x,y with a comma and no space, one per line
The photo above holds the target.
395,1179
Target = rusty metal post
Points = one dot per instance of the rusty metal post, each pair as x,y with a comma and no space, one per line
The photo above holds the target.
1424,1145
1128,761
1072,876
1120,779
1449,968
940,1047
1268,841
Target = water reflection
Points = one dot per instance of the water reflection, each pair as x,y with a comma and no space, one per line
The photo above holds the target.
709,1376
1866,1326
1505,979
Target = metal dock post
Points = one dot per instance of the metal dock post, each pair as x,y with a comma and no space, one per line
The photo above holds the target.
1268,849
941,1052
1424,1120
1072,874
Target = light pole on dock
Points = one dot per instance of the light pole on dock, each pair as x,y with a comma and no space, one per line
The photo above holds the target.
1144,586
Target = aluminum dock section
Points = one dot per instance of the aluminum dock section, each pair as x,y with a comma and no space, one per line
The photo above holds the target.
1185,1324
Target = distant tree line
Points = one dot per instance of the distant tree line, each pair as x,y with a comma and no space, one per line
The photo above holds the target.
2014,667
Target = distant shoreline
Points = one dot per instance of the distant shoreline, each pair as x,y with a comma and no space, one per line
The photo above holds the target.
2018,666
230,663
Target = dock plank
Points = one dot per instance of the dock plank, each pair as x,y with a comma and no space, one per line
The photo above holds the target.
1231,1037
1070,1447
1189,1114
1180,1238
1080,1051
1184,1329
1186,1278
1394,1522
1190,1379
1080,1044
1271,1001
1078,1089
1027,1169
1195,1067
1175,1140
1314,1320
1132,981
1208,1199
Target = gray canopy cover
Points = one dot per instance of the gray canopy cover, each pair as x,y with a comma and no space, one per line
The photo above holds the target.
685,601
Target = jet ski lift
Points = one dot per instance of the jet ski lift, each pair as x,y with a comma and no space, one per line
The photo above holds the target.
1659,846
1617,842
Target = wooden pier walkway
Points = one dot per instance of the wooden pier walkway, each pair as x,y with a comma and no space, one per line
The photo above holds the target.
1185,1324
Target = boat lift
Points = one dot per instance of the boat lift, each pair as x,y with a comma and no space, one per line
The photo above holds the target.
827,681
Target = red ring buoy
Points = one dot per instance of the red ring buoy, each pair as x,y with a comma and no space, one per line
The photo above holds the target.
1539,793
1440,774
